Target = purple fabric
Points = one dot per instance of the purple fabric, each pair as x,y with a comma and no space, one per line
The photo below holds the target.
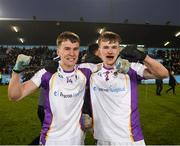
87,108
68,71
48,113
135,121
107,67
81,121
87,72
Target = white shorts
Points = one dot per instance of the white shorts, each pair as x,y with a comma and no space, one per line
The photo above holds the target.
110,143
73,141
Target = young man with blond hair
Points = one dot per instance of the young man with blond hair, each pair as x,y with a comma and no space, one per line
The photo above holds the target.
64,91
114,96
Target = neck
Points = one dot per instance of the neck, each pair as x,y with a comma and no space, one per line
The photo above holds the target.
108,66
67,68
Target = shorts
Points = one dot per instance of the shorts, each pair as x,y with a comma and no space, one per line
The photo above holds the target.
77,140
110,143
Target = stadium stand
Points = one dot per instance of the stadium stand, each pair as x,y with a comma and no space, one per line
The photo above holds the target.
41,55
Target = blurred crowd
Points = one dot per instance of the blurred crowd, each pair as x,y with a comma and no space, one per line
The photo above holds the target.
170,59
42,54
8,58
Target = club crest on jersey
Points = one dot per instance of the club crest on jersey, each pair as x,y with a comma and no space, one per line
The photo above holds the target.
59,73
99,74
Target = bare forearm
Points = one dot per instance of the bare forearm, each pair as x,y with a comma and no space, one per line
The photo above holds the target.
155,68
14,88
17,90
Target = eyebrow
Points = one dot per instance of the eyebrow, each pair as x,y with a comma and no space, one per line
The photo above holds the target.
67,48
114,46
105,46
76,48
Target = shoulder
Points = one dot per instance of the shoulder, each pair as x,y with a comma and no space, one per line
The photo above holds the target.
89,66
138,68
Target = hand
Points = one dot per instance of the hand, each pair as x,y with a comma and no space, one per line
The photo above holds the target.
122,65
21,63
132,54
87,121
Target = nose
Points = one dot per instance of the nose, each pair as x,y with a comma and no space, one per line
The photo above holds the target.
72,52
110,50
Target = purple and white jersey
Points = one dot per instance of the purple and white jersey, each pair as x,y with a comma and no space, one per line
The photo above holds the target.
115,104
64,97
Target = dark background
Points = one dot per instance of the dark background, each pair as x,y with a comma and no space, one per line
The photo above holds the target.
148,22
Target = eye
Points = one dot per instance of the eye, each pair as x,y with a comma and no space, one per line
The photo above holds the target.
76,49
67,48
105,47
114,47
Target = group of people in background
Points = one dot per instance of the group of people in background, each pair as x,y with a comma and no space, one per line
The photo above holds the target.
42,54
170,58
172,83
107,91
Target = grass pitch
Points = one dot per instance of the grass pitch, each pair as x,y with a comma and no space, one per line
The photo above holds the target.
159,115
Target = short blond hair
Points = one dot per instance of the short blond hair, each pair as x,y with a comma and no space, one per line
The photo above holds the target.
67,35
109,36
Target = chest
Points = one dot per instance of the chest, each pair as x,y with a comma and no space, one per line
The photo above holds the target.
68,87
110,85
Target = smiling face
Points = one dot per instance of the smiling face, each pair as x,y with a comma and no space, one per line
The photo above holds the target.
109,51
68,52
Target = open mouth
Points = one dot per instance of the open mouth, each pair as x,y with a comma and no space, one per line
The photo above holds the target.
110,57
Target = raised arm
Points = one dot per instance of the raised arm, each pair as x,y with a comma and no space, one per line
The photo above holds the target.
16,89
154,70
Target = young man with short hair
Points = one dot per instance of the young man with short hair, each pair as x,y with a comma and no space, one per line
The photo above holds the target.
114,96
63,91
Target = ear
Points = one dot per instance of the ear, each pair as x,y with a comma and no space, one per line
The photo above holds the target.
57,51
98,53
119,49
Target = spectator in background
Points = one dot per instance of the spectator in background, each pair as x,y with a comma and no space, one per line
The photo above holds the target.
93,55
0,77
172,82
159,86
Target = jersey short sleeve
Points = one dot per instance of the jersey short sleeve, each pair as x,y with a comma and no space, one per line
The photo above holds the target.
37,77
139,68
